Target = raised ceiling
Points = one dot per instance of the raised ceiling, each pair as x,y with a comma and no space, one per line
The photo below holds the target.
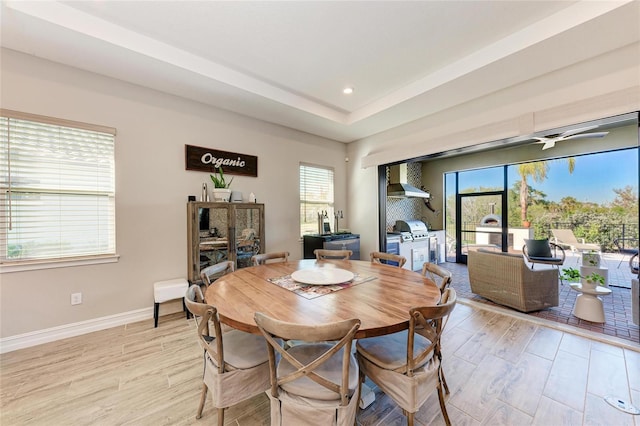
287,62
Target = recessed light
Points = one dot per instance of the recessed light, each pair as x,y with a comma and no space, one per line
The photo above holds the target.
347,90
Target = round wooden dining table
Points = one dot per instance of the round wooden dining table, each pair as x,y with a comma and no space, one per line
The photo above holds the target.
381,300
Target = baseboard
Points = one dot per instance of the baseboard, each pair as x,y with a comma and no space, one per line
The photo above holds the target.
33,338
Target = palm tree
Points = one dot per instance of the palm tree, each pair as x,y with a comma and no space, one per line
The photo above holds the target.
537,170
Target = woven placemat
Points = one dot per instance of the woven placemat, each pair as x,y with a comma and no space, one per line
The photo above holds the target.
312,291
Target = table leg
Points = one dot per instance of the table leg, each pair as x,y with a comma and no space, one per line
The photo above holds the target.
589,307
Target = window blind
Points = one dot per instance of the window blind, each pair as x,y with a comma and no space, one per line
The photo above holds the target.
57,185
316,196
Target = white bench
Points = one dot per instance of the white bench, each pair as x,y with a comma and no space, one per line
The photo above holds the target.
163,291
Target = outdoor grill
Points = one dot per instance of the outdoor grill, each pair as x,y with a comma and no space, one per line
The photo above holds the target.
411,230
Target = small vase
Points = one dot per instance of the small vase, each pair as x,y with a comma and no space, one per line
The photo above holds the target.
591,259
221,194
589,285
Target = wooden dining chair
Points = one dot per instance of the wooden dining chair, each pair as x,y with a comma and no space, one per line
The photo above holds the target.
234,370
213,272
322,254
315,382
407,366
437,274
386,258
261,259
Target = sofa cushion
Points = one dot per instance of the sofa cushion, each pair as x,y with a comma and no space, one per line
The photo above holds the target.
538,248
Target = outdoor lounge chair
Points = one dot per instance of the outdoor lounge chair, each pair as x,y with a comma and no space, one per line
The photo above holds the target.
542,251
566,239
626,246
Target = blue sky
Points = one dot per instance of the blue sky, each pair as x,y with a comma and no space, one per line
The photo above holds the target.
594,178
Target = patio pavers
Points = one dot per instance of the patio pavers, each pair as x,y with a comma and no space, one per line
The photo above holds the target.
617,305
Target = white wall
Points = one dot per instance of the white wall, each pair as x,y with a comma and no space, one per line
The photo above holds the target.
152,186
603,86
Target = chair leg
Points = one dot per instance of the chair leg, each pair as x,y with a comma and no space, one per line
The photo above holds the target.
184,308
220,416
360,382
443,408
409,418
203,398
559,274
620,261
156,308
444,382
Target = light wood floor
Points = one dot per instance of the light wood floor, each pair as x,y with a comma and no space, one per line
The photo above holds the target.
501,369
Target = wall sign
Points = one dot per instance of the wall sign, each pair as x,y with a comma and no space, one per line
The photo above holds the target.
207,160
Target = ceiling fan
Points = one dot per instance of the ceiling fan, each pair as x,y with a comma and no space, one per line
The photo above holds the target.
550,140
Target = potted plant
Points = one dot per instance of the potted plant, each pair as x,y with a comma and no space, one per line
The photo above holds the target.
221,191
572,275
591,258
592,280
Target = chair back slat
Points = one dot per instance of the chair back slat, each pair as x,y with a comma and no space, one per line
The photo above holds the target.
213,272
208,315
322,254
377,257
437,274
428,321
261,259
338,336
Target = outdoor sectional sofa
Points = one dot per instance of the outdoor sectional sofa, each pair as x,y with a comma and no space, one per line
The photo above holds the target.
505,279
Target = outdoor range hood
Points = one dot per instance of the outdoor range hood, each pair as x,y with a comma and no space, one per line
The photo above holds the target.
398,186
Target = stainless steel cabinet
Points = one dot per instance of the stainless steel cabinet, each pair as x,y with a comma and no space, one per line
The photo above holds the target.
331,242
352,244
223,231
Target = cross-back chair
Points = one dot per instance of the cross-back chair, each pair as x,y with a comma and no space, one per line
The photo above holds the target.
407,365
315,382
388,259
322,254
261,259
437,274
236,364
213,272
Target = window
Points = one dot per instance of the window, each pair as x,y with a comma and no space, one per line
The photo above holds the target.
57,186
316,196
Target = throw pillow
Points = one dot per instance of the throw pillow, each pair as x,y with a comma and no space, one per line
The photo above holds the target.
538,248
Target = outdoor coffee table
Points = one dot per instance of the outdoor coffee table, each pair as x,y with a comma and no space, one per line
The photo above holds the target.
588,305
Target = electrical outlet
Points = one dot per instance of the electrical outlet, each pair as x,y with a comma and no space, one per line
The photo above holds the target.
76,298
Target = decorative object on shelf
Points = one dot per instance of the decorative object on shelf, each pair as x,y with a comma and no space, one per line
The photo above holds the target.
221,191
252,197
591,258
205,193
